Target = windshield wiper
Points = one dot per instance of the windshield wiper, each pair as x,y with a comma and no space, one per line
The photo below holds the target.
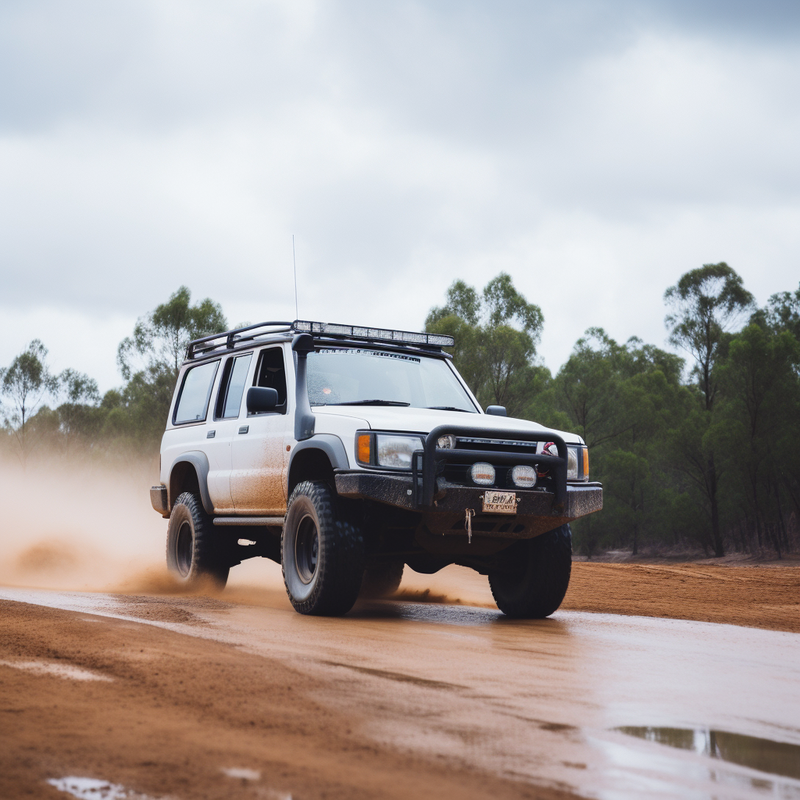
371,403
449,408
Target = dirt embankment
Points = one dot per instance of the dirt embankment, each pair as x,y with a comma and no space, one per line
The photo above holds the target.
754,596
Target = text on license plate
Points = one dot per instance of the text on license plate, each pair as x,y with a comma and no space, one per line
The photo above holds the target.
499,503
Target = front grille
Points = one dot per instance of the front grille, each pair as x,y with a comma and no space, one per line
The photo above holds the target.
490,445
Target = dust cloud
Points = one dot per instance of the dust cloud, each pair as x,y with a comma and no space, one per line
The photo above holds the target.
75,524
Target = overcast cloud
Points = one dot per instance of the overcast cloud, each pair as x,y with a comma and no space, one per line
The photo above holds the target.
593,150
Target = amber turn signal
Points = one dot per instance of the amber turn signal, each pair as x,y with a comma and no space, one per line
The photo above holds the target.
365,448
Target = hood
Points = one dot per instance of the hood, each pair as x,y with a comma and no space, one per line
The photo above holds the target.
424,420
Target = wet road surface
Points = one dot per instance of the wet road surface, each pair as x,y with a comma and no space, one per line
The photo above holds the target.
605,706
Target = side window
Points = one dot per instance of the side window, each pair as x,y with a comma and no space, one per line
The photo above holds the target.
231,389
195,393
271,373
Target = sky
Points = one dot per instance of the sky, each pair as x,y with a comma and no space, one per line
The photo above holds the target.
594,150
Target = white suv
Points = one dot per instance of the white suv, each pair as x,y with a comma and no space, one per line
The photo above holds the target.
344,453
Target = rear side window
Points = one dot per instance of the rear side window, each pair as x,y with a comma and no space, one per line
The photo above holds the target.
195,393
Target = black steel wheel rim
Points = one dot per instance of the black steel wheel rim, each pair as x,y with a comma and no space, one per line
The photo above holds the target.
183,549
306,549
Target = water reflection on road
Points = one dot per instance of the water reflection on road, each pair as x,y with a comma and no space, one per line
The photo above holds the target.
562,701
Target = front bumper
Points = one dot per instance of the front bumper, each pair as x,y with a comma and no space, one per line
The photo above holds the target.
537,511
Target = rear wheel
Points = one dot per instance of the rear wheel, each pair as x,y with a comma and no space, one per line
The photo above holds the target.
534,575
382,579
195,551
322,553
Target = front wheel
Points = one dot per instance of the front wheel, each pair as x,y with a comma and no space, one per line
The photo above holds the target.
195,554
534,576
322,554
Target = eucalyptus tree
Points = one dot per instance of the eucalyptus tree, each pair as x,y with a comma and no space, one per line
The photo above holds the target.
760,414
25,383
149,361
622,398
497,332
707,305
160,338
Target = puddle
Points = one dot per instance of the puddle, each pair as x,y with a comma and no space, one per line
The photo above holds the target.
58,670
93,789
775,758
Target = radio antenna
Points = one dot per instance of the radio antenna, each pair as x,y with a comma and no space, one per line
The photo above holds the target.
294,264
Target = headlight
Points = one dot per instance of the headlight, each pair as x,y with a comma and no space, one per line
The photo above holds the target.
572,463
577,463
387,449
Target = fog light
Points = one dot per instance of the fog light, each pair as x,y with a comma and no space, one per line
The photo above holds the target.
482,473
523,476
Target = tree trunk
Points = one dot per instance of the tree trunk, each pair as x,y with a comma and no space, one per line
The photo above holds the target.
716,533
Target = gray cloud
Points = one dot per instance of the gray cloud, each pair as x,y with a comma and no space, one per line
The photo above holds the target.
595,150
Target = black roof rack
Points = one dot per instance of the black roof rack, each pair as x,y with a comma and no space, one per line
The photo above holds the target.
227,340
233,338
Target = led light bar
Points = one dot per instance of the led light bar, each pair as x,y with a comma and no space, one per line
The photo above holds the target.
372,334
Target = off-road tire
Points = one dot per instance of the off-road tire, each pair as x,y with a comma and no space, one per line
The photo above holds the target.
382,579
195,552
535,575
322,553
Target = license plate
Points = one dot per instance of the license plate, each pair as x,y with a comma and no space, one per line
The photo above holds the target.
499,503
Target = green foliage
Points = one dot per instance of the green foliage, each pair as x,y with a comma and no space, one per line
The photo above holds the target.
496,336
149,361
783,313
706,304
708,460
25,383
622,399
160,338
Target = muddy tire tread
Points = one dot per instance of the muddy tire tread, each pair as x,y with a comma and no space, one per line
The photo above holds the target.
538,589
340,567
208,557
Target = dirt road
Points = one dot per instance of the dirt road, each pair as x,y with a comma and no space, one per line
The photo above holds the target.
756,596
238,696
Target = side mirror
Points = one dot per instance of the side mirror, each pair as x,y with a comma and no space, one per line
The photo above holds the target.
261,399
497,411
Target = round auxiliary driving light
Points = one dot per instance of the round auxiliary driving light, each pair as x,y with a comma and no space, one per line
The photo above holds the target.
523,476
482,473
446,442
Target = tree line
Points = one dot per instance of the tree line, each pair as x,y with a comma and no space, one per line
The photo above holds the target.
693,453
64,414
696,452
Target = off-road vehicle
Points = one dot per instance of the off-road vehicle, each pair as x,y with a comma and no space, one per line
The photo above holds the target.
345,453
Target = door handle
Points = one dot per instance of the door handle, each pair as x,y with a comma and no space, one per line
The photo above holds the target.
244,429
211,434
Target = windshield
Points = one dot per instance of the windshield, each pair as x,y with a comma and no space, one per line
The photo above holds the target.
339,376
